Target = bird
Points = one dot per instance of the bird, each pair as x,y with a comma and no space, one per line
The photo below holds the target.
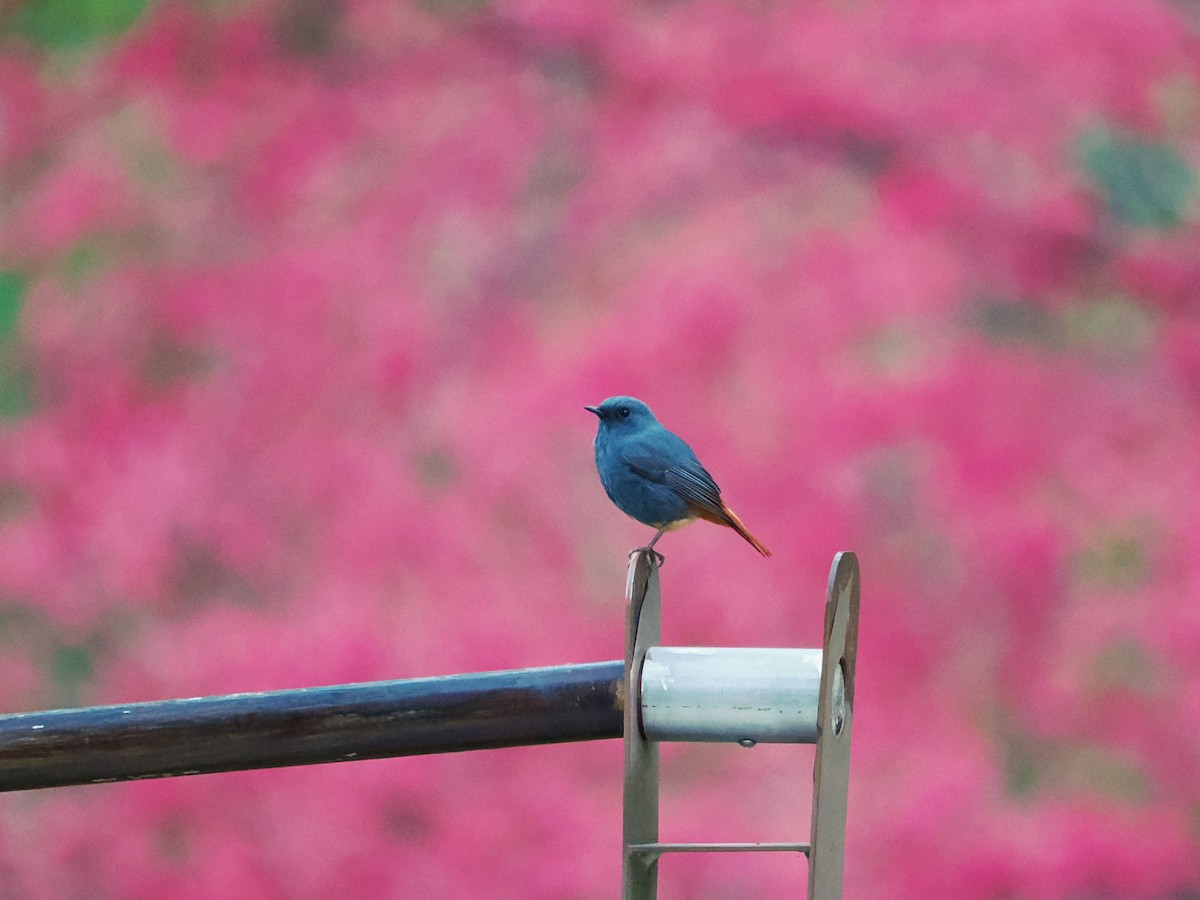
653,476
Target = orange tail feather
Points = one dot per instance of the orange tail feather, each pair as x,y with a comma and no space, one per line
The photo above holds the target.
730,520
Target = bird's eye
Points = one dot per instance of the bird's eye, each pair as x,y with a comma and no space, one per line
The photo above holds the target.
624,412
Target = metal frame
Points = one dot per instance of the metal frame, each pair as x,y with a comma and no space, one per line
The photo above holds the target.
834,723
739,695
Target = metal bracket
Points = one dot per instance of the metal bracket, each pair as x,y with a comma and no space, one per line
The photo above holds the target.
835,718
643,627
831,770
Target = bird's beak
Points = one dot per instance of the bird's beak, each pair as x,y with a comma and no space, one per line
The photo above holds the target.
593,409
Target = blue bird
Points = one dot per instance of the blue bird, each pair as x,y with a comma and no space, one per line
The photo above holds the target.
652,475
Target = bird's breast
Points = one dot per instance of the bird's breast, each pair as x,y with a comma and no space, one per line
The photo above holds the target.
648,501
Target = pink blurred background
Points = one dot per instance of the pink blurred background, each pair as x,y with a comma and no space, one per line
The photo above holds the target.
300,303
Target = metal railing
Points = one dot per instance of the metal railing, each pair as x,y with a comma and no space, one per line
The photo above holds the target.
748,696
312,725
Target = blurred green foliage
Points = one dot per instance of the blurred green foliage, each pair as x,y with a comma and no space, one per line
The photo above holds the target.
12,287
72,665
1144,183
14,373
74,23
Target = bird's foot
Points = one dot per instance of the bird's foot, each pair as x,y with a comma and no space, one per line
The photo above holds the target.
657,558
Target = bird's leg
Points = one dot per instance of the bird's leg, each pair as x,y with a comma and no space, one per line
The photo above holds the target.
659,559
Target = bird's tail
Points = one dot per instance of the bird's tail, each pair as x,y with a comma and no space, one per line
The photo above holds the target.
730,518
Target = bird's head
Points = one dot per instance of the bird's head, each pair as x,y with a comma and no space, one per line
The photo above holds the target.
622,413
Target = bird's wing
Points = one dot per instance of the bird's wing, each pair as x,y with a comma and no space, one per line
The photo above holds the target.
670,462
676,467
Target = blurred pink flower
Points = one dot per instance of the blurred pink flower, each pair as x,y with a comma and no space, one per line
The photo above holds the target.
300,304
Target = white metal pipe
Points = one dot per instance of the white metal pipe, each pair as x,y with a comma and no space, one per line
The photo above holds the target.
747,695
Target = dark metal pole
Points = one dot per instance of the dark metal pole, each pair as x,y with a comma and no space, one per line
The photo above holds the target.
312,725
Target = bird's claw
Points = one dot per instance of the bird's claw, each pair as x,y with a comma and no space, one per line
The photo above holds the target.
657,558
